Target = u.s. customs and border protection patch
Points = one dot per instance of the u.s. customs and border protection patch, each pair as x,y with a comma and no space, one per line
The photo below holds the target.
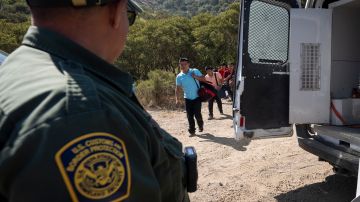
95,167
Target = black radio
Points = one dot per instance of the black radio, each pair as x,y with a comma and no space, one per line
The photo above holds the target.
191,167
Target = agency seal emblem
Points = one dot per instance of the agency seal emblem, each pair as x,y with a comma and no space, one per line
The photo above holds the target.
95,167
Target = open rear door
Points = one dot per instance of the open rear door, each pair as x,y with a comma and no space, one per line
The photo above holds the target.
261,107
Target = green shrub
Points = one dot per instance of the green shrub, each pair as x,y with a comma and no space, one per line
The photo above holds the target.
157,90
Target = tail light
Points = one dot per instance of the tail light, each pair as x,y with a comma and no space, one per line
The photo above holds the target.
242,121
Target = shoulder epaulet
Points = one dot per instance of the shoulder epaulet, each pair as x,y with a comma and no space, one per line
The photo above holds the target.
81,91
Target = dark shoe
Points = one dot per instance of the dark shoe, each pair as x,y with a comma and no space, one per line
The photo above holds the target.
211,117
201,129
192,133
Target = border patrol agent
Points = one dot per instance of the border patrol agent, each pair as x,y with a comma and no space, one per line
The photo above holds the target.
71,128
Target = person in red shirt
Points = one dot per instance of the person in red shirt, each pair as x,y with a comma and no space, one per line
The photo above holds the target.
228,79
222,70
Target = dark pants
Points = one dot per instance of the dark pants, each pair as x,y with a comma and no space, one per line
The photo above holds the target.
193,108
228,89
211,103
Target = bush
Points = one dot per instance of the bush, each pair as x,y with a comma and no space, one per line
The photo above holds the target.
157,90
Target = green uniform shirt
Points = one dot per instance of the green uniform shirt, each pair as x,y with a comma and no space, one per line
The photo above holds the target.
71,129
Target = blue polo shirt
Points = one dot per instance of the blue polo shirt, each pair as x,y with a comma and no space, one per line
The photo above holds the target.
187,82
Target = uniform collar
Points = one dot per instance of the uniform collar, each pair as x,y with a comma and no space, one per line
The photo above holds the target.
62,47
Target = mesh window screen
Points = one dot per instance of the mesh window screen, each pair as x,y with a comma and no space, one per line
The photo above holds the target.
268,33
310,66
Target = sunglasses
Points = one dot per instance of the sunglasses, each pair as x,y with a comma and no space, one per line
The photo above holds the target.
131,17
132,10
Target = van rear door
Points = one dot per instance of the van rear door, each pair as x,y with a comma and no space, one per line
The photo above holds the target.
261,106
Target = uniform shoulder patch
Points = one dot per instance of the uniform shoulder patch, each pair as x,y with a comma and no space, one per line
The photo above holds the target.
95,167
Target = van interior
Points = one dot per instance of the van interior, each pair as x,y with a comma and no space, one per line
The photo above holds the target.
345,64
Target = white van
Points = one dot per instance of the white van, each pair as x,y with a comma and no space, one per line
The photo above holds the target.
301,66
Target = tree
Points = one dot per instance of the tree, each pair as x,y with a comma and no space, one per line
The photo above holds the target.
11,35
188,8
157,44
14,11
156,40
216,39
14,21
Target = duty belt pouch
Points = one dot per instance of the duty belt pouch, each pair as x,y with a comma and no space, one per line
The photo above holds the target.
191,168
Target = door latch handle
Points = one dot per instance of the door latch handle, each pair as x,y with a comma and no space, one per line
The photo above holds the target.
281,73
236,109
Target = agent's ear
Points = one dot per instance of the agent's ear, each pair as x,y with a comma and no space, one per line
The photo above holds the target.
118,13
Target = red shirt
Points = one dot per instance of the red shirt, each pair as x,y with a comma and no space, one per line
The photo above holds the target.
222,71
225,72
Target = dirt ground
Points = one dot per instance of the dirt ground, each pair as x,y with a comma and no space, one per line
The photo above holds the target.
258,170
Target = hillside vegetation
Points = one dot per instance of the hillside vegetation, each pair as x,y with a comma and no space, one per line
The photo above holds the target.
14,20
206,39
187,7
154,43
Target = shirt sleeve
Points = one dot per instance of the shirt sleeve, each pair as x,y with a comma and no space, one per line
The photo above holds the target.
68,158
197,72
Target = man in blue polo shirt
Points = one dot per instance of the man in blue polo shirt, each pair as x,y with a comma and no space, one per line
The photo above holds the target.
188,79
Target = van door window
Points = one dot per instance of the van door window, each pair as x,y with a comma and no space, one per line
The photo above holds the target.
268,33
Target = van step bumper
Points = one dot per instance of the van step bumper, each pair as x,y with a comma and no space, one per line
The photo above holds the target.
330,154
347,134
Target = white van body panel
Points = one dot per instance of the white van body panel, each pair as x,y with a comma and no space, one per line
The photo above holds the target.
310,27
